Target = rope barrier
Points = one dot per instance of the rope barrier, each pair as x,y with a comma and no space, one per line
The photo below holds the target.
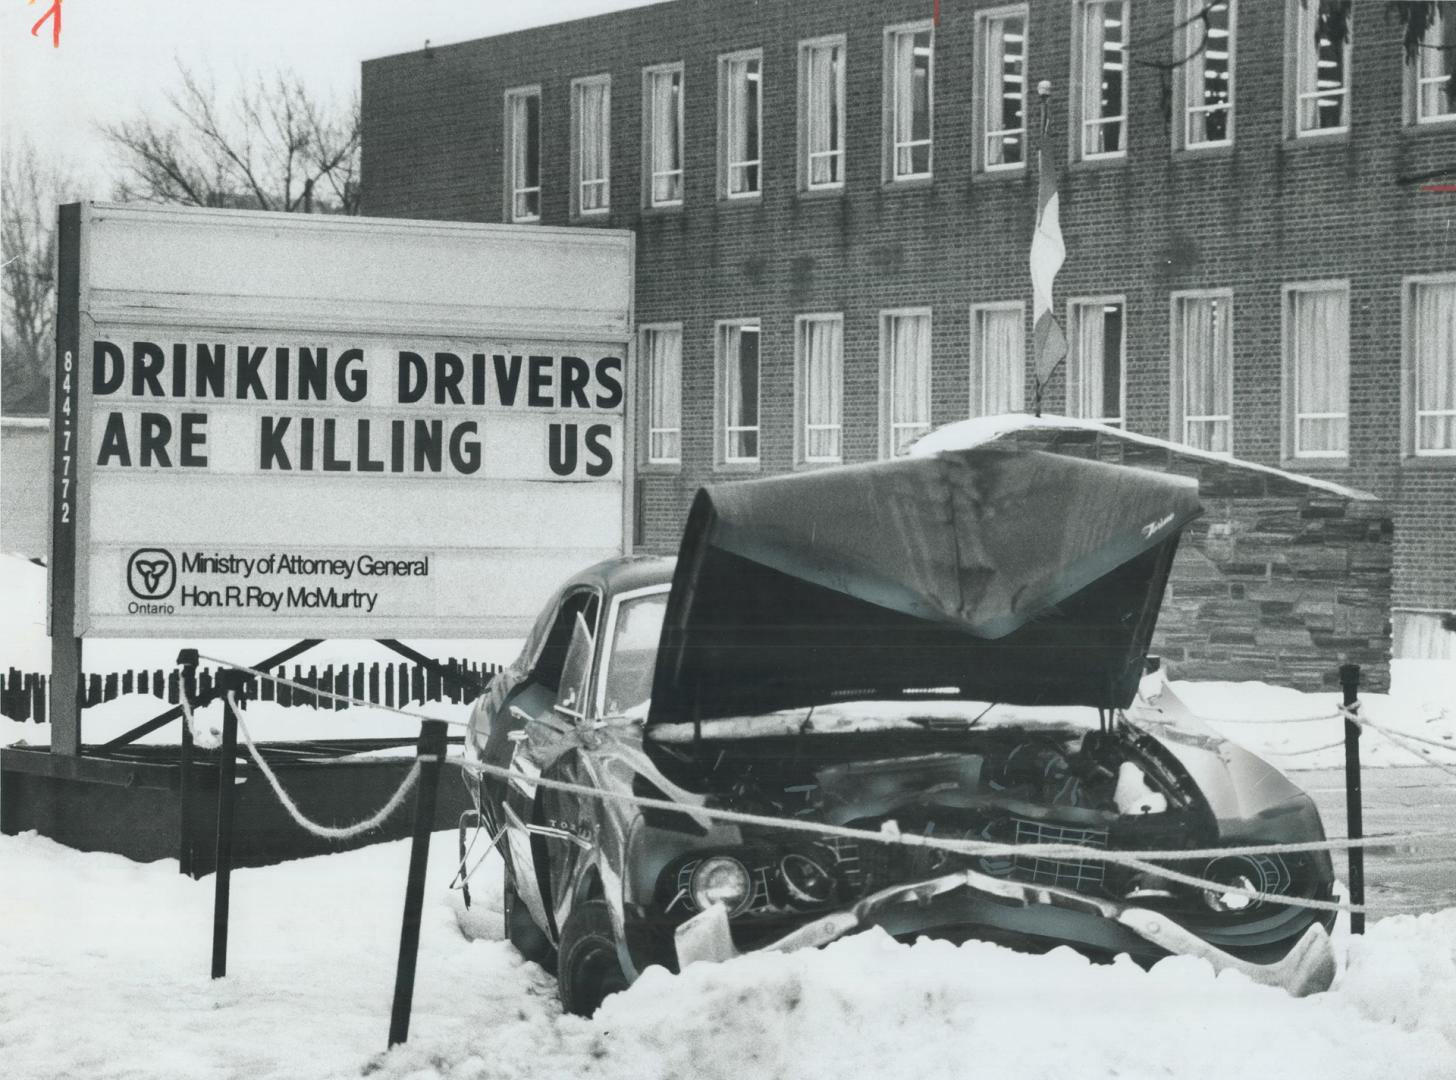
327,832
1137,860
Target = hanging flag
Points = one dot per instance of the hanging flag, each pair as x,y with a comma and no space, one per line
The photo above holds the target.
1047,255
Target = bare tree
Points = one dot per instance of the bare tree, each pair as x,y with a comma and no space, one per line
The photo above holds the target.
271,146
31,192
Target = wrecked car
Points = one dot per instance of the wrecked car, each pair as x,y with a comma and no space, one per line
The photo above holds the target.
952,646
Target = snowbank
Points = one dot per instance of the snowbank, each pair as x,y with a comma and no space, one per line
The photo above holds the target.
104,974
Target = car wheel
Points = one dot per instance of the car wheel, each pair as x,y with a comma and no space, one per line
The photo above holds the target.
521,930
588,969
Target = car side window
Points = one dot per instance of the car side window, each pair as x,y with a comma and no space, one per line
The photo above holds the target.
553,654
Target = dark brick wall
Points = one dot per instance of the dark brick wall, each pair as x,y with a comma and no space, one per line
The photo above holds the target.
1279,580
1250,219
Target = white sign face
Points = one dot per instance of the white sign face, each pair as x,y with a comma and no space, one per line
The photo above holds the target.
413,449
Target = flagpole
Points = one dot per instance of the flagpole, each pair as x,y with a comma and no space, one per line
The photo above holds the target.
1043,93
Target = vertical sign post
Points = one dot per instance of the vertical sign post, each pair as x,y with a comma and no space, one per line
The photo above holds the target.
65,702
1354,824
227,765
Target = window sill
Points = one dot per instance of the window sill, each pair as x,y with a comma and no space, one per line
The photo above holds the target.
1423,462
1335,136
659,468
909,183
835,192
1093,164
1415,129
1204,150
739,468
662,211
1001,176
730,201
593,217
811,466
1311,465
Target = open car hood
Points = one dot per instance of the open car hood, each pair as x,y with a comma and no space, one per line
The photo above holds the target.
989,574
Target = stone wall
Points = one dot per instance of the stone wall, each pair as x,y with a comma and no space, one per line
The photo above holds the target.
1282,579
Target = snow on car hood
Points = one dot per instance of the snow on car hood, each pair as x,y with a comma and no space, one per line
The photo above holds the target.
990,574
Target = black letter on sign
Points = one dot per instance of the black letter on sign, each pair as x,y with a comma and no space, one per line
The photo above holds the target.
352,385
270,448
411,387
103,355
598,438
156,434
465,456
563,458
194,435
608,368
506,383
449,371
146,366
250,382
113,441
538,395
575,374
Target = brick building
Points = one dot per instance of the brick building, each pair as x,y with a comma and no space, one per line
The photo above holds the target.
834,201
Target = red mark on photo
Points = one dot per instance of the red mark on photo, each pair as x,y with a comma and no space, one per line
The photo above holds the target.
54,14
1439,189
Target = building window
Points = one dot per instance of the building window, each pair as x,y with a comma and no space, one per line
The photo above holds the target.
904,379
1002,117
1208,76
1317,370
909,96
998,358
1096,346
1320,101
1431,364
738,393
740,120
662,357
820,355
591,143
523,154
662,135
1203,371
1101,101
1432,76
821,114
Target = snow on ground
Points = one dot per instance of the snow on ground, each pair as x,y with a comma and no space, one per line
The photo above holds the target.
104,974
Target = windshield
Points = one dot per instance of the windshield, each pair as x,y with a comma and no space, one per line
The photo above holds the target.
632,654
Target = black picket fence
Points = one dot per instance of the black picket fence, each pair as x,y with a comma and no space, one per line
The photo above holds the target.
23,695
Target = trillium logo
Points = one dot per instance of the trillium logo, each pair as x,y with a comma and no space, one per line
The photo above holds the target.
151,574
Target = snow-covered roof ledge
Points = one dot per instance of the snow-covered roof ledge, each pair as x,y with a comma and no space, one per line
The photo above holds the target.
980,430
39,422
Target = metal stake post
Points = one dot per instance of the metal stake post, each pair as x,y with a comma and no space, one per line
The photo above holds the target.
226,773
431,752
1354,825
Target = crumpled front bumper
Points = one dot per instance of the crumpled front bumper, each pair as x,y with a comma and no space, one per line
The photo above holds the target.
1308,968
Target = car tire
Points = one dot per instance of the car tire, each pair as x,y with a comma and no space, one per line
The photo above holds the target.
521,930
588,969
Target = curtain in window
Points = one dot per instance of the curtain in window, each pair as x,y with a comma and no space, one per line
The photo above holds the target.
1002,346
1433,344
594,114
1321,363
742,148
740,392
823,379
912,103
525,156
1209,85
666,151
1207,367
1436,63
1320,67
823,114
909,380
1005,89
1102,75
664,371
1087,363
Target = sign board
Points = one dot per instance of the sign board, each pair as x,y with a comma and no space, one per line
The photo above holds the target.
273,425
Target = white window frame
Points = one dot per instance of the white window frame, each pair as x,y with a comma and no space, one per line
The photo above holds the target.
578,182
888,426
1415,81
891,140
1177,382
1299,51
512,191
983,119
1291,413
726,120
1074,361
1188,101
649,177
978,380
644,355
806,156
1410,412
722,431
801,392
1086,96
